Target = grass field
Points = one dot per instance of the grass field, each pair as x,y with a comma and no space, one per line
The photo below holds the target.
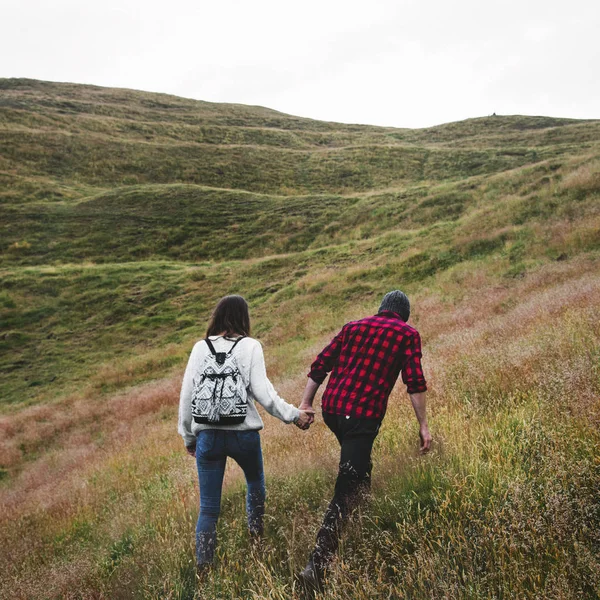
126,215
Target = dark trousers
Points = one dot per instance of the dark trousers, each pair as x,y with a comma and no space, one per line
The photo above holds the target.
356,437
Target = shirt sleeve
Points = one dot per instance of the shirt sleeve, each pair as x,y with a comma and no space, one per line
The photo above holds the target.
264,392
327,359
412,371
185,398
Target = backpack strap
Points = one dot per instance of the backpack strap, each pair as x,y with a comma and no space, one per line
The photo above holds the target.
220,356
236,343
210,346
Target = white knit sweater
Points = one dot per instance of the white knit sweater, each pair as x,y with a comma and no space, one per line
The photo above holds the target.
251,361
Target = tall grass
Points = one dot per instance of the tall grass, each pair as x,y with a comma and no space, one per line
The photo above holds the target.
129,214
506,505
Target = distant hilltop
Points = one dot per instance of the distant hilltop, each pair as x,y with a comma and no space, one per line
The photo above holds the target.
69,137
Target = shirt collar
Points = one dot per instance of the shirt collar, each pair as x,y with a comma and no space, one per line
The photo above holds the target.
390,313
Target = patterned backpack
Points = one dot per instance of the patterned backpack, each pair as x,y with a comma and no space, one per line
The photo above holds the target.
219,394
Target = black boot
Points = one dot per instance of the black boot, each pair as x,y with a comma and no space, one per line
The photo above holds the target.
311,579
202,572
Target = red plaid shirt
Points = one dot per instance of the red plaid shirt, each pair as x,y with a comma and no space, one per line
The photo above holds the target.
365,359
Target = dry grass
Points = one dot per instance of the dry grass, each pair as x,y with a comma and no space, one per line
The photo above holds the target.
501,508
44,444
586,179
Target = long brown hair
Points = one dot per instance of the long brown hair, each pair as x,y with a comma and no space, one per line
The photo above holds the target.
230,317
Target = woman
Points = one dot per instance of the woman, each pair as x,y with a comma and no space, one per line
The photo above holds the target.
211,441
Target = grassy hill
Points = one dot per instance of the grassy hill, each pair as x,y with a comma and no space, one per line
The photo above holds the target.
125,216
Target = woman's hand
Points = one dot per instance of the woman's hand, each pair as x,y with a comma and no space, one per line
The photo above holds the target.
191,450
305,418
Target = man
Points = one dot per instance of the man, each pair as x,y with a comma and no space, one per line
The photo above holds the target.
365,359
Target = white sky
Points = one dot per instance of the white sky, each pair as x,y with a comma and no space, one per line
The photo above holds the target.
400,63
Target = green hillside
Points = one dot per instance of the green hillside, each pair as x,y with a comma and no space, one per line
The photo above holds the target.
126,215
94,176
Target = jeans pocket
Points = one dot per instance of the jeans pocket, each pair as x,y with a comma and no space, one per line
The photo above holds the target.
205,442
248,440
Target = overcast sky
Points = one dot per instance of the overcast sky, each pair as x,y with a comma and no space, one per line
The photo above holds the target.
399,63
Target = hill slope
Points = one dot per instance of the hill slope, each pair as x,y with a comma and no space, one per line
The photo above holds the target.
96,176
126,215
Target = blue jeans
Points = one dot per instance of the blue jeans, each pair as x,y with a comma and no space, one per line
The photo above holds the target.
213,446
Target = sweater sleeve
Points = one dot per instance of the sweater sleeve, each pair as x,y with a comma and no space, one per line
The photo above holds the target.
185,398
264,392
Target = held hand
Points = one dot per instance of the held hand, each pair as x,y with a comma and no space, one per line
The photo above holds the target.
305,419
307,408
425,439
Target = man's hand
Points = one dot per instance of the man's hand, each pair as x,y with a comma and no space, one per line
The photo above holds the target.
307,416
418,402
191,450
307,399
425,439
